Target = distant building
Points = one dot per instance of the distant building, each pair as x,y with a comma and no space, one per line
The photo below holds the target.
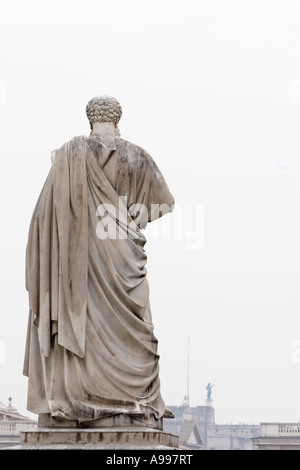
11,423
232,436
212,436
278,436
190,436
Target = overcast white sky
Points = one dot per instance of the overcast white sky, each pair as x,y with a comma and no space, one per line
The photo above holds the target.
211,89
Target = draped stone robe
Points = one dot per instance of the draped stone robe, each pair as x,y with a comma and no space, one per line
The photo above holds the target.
91,350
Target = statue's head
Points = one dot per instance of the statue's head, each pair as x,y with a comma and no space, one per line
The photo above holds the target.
103,109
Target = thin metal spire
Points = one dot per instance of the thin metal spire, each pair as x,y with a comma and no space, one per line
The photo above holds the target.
188,374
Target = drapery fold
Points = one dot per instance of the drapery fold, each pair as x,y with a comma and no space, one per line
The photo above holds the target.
90,346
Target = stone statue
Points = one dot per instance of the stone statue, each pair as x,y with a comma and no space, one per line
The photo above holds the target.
209,391
91,353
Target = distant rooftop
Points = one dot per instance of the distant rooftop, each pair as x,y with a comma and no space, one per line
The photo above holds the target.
9,412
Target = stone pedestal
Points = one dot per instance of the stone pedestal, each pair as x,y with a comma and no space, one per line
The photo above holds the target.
121,420
98,438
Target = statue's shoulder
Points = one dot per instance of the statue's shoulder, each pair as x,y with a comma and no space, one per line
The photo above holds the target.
128,146
135,156
130,152
74,142
78,140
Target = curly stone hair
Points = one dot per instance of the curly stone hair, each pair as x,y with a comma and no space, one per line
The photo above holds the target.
103,109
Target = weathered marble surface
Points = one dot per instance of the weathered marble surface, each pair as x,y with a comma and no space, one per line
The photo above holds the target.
121,437
91,352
